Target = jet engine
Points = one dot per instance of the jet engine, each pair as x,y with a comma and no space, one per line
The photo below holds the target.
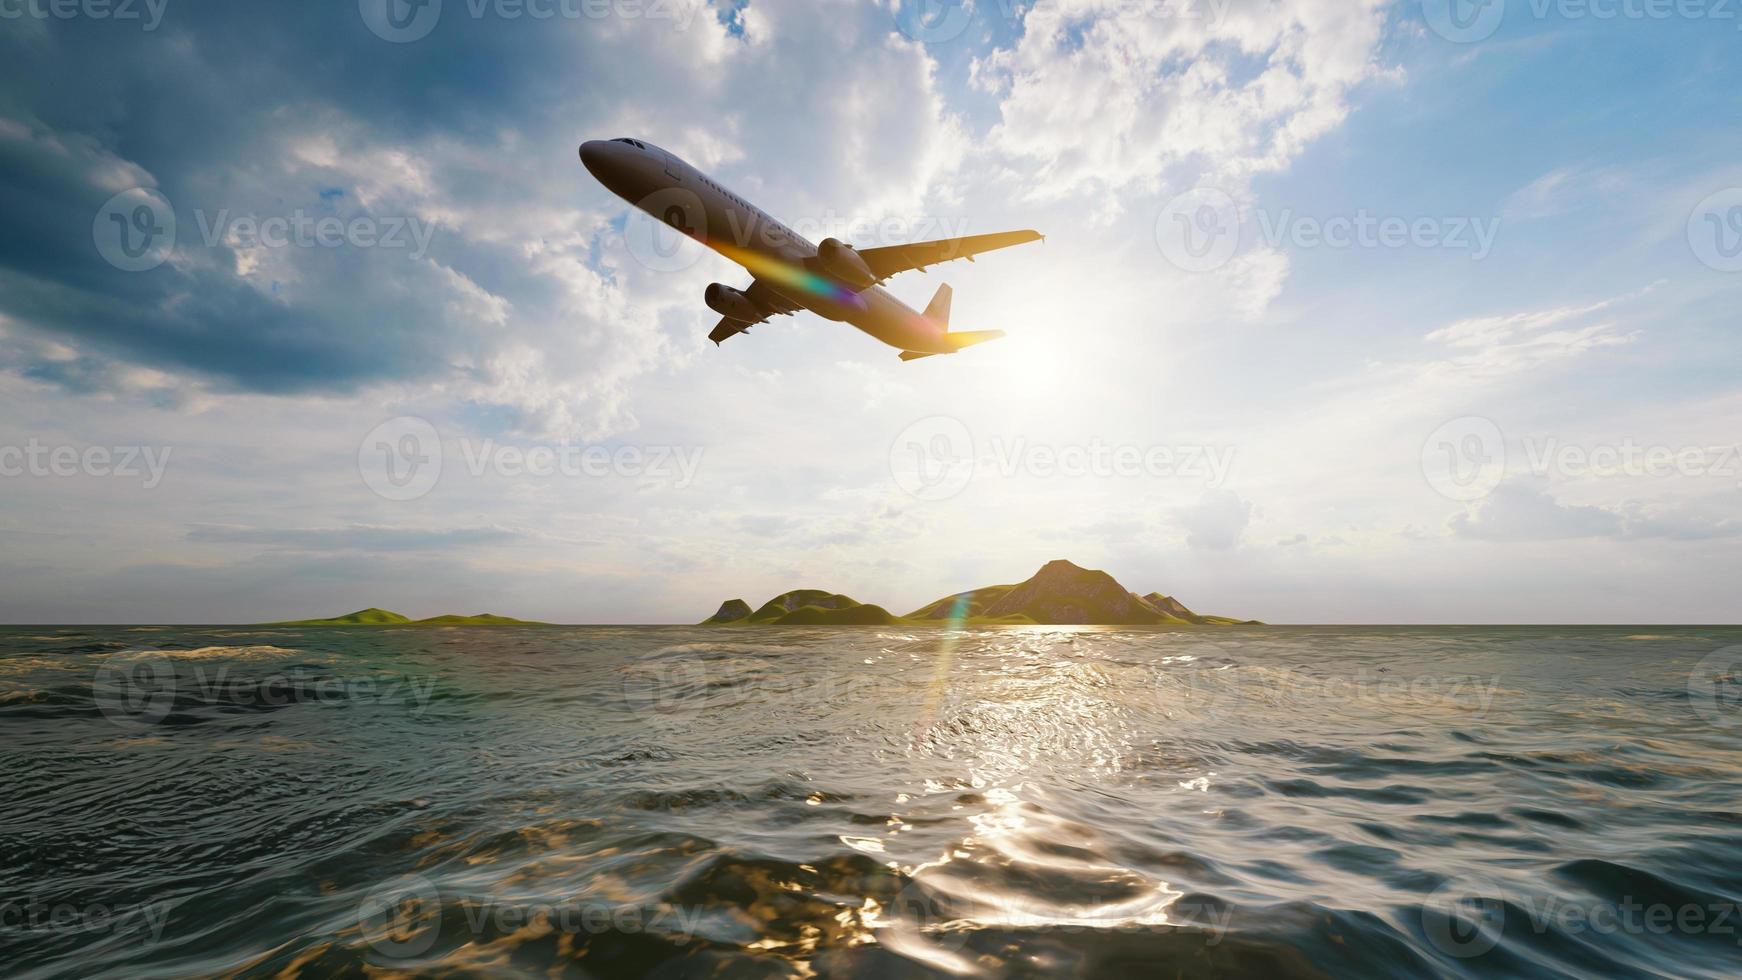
732,304
840,262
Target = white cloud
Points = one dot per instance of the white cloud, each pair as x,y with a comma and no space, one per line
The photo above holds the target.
1107,94
1216,522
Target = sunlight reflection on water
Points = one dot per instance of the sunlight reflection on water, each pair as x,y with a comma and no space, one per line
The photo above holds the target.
865,802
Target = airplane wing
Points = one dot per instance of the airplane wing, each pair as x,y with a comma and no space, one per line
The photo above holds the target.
894,259
764,296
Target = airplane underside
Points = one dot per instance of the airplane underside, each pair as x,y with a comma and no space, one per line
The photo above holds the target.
834,280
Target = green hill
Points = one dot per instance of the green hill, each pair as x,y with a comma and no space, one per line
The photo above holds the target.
382,617
962,605
482,619
1060,594
362,617
859,614
1063,594
731,611
783,605
802,607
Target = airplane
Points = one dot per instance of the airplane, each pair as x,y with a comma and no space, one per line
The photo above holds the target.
833,280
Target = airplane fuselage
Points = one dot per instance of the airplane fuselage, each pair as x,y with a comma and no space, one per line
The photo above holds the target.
676,193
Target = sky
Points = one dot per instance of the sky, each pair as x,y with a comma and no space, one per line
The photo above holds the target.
1348,312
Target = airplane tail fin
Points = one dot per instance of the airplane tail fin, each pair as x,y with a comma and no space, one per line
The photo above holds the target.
939,310
939,314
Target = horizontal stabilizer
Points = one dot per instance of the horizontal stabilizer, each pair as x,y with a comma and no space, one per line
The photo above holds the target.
968,338
914,355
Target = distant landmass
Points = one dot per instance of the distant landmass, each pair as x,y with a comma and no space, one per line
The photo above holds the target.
383,617
1060,594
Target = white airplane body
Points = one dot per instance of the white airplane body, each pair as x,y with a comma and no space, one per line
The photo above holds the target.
833,280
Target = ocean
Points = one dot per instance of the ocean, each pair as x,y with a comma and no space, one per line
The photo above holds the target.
871,802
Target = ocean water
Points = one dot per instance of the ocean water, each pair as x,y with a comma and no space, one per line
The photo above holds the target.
674,802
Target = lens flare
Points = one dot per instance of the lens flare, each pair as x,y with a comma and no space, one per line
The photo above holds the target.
788,275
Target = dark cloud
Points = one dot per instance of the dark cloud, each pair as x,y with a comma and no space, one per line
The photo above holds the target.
297,111
283,109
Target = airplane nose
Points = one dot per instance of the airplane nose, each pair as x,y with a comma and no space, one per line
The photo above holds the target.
593,155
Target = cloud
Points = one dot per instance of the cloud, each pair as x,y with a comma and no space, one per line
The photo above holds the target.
1106,94
357,537
1563,190
1216,522
1518,511
1509,344
1522,511
526,304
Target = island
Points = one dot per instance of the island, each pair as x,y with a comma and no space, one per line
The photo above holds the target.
1060,594
383,617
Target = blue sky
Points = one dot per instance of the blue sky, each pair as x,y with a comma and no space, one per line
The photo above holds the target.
1520,406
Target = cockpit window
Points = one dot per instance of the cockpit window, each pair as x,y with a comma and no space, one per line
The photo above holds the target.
635,143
